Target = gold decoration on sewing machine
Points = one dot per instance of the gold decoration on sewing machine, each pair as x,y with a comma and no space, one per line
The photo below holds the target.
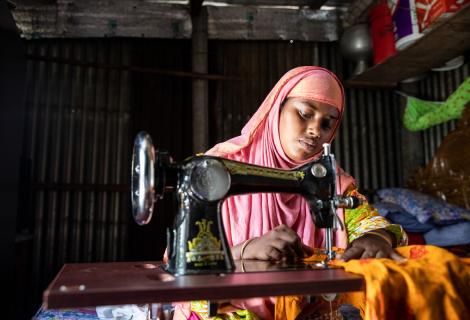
205,248
235,168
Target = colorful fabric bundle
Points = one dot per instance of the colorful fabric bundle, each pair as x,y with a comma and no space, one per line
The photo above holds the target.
431,284
421,114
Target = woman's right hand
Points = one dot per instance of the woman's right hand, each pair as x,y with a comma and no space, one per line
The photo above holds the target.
278,244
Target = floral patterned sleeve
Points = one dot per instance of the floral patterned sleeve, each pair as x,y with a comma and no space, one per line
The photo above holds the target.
366,218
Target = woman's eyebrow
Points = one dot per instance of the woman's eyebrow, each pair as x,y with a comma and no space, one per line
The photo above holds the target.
312,105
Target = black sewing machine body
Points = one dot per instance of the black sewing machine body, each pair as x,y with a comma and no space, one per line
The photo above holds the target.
197,241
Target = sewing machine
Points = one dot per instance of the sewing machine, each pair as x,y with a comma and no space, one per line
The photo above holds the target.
197,246
197,242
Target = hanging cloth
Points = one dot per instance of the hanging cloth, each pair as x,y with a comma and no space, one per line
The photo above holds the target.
422,114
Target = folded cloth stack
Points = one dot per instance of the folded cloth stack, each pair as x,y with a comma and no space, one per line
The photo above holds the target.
442,224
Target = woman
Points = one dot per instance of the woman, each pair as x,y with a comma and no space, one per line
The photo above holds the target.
302,112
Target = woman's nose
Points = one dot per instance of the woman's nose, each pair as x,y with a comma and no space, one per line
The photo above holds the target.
313,129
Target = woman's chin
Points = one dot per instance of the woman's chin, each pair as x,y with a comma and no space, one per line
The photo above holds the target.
300,155
300,158
311,156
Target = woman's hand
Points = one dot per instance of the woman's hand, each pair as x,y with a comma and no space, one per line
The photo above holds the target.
371,245
278,244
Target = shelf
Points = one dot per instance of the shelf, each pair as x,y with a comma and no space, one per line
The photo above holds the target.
445,41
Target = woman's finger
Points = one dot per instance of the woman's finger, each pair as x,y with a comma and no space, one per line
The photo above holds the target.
283,247
273,254
381,254
287,235
308,251
352,253
292,239
301,250
367,254
397,257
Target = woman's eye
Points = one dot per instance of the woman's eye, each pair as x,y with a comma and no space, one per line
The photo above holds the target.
305,115
326,125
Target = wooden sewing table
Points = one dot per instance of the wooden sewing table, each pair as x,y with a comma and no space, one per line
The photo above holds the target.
95,284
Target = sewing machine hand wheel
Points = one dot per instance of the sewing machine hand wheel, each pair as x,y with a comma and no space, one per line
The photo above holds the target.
148,179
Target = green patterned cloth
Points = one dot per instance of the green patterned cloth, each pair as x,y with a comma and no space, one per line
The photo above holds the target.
421,114
237,315
366,218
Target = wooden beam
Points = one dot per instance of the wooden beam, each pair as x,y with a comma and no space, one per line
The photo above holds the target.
145,19
313,4
159,72
255,23
97,19
357,12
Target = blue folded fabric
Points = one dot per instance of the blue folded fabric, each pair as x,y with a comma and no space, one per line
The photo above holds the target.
68,314
450,235
396,214
424,207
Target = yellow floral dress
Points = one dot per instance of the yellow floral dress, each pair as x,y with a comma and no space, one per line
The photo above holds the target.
366,218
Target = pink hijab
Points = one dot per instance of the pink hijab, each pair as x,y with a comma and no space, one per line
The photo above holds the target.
251,215
247,216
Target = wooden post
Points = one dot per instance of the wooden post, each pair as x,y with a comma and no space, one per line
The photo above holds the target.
200,86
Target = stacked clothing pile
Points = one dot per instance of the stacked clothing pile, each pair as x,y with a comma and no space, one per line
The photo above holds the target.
427,219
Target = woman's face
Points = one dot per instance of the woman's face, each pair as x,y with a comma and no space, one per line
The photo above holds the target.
304,126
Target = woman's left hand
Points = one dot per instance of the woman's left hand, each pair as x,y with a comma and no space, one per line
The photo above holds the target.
370,246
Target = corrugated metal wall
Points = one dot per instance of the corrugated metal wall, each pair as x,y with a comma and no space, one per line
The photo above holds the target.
76,142
82,115
369,140
437,86
368,143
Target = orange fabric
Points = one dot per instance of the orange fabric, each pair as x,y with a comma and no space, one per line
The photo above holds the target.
319,255
288,307
431,284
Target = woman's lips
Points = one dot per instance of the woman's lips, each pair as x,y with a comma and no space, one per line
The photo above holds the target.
308,144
